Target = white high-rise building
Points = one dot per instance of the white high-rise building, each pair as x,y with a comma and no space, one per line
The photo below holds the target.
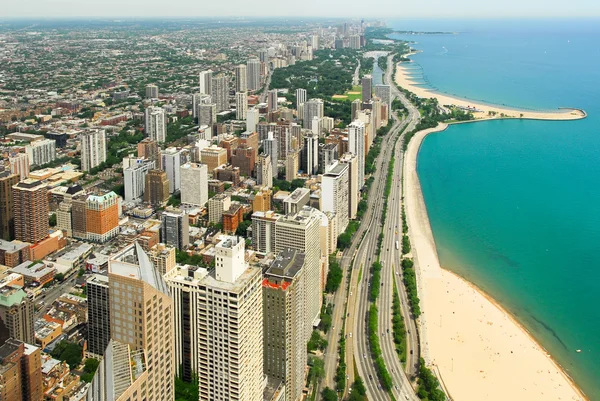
253,71
19,164
241,78
263,231
93,149
156,124
220,92
300,98
171,161
314,42
317,126
241,105
264,170
312,108
272,100
134,176
207,114
353,190
206,82
151,91
252,119
194,184
197,100
310,154
356,146
355,42
41,152
271,148
334,193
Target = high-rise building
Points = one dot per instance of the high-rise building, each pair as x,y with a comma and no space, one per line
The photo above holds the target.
314,42
172,159
148,149
102,217
41,152
252,119
141,319
16,315
310,154
353,189
213,157
245,158
263,231
355,42
302,232
264,171
284,319
19,164
98,314
262,200
206,82
7,219
334,193
312,108
367,88
93,149
31,214
272,100
271,148
174,229
220,92
194,184
241,78
328,153
20,371
384,92
207,114
356,146
241,105
253,70
151,91
216,206
356,107
292,165
156,190
296,201
230,326
300,97
163,258
156,124
263,55
134,177
197,100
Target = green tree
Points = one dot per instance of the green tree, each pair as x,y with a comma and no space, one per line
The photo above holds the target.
328,395
69,352
52,220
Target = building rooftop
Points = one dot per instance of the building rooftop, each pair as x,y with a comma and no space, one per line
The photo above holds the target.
287,264
30,184
133,262
336,170
33,269
10,246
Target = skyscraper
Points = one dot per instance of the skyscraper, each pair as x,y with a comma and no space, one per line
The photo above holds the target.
264,170
353,189
148,149
194,184
384,92
156,190
284,320
16,315
20,371
241,105
98,314
310,154
216,206
312,108
252,119
292,165
41,151
263,231
356,107
19,164
172,158
7,219
31,214
334,190
272,100
253,74
102,216
207,114
151,91
271,148
206,82
134,176
367,88
220,92
300,97
156,124
93,149
241,78
356,146
174,229
197,100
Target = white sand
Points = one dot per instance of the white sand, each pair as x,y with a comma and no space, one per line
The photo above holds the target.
478,349
404,80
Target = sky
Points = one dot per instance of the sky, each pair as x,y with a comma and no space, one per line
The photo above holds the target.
388,9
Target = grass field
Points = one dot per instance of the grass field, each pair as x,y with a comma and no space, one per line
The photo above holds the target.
351,95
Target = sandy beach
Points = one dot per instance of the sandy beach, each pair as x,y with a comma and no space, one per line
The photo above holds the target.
404,80
474,345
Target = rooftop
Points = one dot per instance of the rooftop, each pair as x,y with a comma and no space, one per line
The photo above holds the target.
9,246
133,262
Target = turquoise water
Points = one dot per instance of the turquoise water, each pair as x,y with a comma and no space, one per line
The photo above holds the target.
515,205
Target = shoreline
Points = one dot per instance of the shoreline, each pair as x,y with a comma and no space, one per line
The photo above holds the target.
495,356
481,110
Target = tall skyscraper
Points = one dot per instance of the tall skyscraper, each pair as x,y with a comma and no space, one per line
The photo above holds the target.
207,114
356,107
271,148
148,149
19,164
102,216
252,119
253,70
230,322
98,314
174,229
384,92
241,78
272,100
206,82
264,170
156,124
151,91
31,213
241,105
328,153
194,184
216,206
367,88
292,165
93,149
7,219
302,232
310,154
356,146
41,151
263,231
220,92
156,190
16,315
334,190
134,176
172,159
353,189
284,320
312,108
355,42
300,97
314,42
20,371
197,100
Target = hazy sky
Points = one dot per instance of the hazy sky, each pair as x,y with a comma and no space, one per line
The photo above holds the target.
388,9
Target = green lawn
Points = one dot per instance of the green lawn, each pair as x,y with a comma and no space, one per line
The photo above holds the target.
351,95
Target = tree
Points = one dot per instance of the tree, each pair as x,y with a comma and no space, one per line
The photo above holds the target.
328,395
68,352
89,368
52,220
242,228
59,277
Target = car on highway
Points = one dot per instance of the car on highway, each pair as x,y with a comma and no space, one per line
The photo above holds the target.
371,377
351,337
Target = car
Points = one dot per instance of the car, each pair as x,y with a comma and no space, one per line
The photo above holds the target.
395,385
333,328
348,315
351,337
388,330
365,356
371,377
350,293
382,284
411,351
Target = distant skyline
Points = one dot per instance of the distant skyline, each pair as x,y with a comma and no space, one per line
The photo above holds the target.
389,9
